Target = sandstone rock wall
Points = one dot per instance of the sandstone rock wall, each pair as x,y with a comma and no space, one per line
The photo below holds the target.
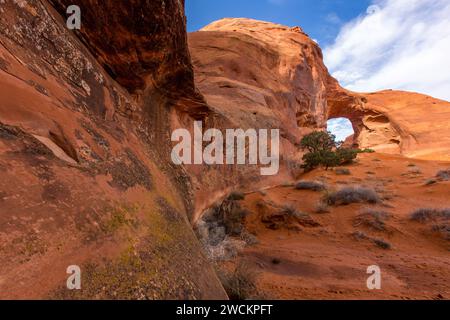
85,124
260,74
84,134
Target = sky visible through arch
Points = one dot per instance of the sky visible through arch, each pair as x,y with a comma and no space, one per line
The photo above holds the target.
368,45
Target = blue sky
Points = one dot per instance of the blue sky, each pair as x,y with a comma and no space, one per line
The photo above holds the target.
321,19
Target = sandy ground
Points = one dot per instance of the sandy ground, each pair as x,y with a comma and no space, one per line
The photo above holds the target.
328,262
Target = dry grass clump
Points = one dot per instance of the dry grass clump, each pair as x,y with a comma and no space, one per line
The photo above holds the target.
414,170
249,238
352,194
310,185
443,175
342,171
286,217
443,229
322,207
294,168
359,235
291,211
374,219
430,182
382,244
240,284
428,214
439,219
287,184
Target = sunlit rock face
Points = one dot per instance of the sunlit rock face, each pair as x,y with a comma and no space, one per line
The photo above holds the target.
260,74
83,181
411,124
255,74
85,125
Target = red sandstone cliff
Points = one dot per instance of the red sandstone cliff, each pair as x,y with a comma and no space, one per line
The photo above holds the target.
262,74
84,137
85,122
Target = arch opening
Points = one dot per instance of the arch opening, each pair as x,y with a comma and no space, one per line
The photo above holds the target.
341,127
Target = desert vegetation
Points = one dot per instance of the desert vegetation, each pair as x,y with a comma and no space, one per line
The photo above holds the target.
236,195
383,244
443,175
439,219
221,229
239,283
323,150
322,207
352,194
372,218
342,171
310,185
427,214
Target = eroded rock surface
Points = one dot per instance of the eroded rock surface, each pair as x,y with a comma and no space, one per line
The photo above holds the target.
84,134
85,124
260,74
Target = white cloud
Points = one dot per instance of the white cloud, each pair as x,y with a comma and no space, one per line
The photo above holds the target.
333,18
397,44
340,127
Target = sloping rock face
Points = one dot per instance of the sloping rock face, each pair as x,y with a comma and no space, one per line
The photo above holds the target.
85,125
259,74
84,140
137,61
415,125
396,122
256,75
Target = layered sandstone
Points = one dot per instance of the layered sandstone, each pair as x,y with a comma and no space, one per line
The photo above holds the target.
84,137
414,125
85,124
262,74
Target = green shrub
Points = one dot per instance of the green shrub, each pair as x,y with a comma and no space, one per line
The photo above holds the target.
318,141
323,150
346,156
366,151
326,158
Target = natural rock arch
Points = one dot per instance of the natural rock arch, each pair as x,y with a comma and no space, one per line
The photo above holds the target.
372,129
